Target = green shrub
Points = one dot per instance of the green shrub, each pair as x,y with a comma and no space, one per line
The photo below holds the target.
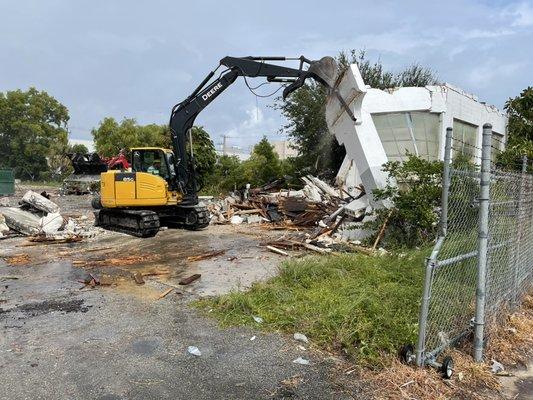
414,191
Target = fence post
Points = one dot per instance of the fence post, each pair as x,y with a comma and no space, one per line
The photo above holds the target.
516,250
431,262
483,234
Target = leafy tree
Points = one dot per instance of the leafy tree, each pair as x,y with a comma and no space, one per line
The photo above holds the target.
32,129
520,130
78,148
305,111
110,137
204,154
225,175
262,167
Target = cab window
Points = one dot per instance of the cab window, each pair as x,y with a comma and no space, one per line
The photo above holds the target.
151,161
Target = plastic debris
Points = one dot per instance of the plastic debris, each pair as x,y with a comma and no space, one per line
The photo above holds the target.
301,361
301,337
253,338
259,320
496,367
195,351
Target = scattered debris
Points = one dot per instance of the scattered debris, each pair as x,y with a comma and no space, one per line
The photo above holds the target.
259,320
165,293
236,220
38,216
496,367
8,277
39,202
253,338
138,278
190,279
17,259
206,255
301,361
301,337
276,250
195,351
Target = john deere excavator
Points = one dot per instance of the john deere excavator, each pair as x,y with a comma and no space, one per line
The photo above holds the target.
161,188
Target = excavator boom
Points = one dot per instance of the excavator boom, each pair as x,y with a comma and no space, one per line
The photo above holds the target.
184,114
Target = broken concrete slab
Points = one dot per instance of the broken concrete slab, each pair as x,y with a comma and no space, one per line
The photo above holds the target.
3,226
51,223
20,220
40,202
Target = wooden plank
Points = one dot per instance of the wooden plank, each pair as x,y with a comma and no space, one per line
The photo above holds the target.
166,292
190,279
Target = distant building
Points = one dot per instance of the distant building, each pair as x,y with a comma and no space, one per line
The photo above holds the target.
240,154
285,149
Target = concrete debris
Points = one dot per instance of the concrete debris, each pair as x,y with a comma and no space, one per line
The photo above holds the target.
236,220
496,367
51,223
301,361
40,202
20,220
3,226
38,216
300,337
195,351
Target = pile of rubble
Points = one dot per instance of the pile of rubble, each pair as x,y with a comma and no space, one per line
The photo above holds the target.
317,204
39,218
319,207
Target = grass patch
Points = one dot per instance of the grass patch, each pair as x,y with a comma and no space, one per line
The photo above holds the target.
360,305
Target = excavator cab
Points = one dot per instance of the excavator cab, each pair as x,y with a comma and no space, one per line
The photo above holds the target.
155,161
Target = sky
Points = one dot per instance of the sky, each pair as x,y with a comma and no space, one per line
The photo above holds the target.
136,59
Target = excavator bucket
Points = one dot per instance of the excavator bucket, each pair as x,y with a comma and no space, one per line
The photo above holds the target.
324,71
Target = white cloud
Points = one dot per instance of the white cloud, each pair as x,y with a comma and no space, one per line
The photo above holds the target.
491,71
521,13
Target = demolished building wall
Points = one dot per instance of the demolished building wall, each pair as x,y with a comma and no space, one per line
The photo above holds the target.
390,123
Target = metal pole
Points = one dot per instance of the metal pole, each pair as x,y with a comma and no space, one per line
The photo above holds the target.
446,181
516,251
431,263
483,234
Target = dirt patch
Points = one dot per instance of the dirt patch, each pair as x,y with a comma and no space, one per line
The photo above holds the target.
48,306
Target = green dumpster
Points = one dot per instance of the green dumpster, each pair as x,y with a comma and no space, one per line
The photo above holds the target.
7,182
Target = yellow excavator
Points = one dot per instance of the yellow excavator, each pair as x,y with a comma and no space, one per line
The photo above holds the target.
161,188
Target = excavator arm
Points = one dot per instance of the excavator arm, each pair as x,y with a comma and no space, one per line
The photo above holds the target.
184,114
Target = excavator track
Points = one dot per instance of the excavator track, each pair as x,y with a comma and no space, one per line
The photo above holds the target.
140,223
188,217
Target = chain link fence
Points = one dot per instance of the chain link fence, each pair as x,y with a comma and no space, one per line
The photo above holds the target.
482,262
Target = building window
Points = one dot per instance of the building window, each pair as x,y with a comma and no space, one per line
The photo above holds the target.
413,132
465,139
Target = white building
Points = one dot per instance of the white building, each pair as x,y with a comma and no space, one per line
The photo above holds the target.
410,119
284,149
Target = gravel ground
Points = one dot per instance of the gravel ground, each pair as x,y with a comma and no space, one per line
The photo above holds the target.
122,342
